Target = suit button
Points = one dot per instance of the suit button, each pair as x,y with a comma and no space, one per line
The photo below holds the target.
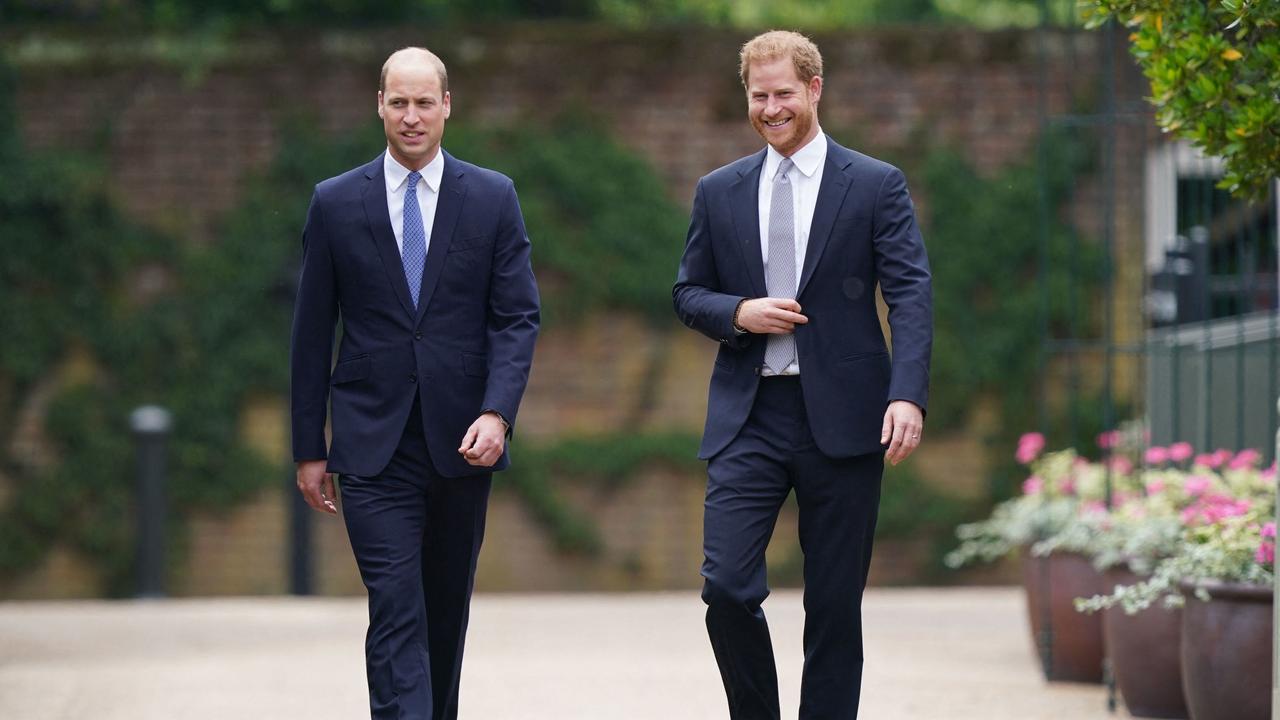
413,377
417,336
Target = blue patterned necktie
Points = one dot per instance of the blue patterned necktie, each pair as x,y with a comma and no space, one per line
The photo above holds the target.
414,238
780,278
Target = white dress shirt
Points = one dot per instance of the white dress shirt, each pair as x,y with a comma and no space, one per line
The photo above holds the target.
397,177
806,178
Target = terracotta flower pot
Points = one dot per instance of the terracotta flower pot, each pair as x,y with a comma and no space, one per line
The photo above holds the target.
1145,651
1068,643
1226,652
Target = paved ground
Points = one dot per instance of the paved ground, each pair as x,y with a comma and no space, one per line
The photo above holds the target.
956,654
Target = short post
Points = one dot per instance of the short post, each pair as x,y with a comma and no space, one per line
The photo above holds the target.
300,569
151,425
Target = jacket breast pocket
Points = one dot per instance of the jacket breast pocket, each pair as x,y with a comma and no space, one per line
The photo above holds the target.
351,369
471,243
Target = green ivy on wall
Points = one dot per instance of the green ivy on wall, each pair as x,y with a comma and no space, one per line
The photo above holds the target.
985,242
102,316
203,329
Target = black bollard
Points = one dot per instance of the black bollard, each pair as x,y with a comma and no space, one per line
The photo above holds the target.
300,575
151,425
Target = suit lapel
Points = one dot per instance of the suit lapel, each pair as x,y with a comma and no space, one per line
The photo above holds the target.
384,238
744,199
831,195
453,189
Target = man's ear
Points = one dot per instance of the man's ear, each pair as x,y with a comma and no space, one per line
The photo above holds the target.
815,87
448,104
379,103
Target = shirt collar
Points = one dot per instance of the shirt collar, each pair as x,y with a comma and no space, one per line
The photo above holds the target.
397,174
807,159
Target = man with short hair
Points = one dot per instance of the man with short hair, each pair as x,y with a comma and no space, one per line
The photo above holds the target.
424,258
784,253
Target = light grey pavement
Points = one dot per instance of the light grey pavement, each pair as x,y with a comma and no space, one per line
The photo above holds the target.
935,654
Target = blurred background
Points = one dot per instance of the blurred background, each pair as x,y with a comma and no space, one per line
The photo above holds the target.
157,157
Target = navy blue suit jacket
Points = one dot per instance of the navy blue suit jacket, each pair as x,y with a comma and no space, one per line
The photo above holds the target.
466,348
864,233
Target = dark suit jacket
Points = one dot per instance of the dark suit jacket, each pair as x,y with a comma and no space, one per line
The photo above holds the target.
864,232
467,348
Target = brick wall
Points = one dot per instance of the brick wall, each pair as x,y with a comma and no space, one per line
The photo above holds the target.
181,139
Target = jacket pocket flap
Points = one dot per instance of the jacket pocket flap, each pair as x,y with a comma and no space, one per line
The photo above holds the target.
470,243
357,368
475,365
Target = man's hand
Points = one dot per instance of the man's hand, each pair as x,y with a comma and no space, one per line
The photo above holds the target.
903,423
770,316
316,486
483,443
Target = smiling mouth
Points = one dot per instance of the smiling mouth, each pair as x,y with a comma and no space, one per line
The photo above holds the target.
411,135
777,124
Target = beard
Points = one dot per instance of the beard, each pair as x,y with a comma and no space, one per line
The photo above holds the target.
793,134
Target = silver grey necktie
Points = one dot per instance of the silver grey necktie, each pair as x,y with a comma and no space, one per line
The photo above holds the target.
780,275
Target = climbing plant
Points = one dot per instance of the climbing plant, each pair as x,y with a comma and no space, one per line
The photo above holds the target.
102,316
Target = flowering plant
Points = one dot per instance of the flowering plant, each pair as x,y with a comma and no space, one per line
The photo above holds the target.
1060,484
1174,516
1210,522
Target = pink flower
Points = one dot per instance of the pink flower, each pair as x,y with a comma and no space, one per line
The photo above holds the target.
1207,460
1090,507
1270,473
1180,451
1246,459
1268,530
1266,554
1068,486
1032,485
1156,456
1222,455
1108,439
1213,508
1120,465
1029,447
1197,485
1155,487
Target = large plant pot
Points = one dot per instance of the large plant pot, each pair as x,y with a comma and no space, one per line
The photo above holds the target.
1145,651
1226,653
1068,643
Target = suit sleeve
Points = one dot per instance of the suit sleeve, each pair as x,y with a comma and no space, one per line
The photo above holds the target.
902,267
698,301
513,312
311,344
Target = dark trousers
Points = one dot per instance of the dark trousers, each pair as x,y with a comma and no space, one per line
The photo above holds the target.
838,499
416,537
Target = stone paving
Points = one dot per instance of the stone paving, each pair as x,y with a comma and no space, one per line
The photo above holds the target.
935,654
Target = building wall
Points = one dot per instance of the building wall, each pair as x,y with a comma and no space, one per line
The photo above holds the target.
184,131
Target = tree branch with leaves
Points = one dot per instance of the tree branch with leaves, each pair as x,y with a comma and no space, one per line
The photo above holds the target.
1214,67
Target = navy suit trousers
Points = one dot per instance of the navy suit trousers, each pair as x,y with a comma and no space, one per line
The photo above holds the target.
838,499
416,536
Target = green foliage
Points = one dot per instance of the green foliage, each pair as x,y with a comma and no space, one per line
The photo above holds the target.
605,235
984,246
202,329
754,14
608,459
94,320
1214,69
182,14
810,14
